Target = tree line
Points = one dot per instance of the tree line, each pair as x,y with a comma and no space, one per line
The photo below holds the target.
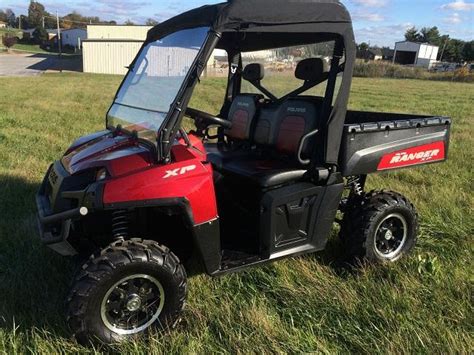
39,17
450,49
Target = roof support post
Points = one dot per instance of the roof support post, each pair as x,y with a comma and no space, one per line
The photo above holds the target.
318,155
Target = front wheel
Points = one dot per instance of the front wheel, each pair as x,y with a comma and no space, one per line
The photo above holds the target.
127,289
379,227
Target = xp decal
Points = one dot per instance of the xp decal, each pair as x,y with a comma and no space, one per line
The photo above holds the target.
179,171
419,155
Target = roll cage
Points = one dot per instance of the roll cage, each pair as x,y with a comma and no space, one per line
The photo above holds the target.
269,24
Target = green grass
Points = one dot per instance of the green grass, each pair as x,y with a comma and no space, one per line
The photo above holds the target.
31,48
308,304
12,31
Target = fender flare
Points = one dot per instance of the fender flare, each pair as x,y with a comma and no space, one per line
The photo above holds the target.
206,236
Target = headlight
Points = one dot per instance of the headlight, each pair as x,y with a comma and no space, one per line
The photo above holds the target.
101,175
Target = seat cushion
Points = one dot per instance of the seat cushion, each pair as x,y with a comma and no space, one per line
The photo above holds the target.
219,154
265,173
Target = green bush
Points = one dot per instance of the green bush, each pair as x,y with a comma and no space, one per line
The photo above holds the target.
388,70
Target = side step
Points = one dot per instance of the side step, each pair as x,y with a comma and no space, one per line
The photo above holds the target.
235,259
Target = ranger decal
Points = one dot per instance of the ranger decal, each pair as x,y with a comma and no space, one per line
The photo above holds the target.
414,156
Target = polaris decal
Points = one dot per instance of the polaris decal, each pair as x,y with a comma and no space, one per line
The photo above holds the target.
179,171
414,156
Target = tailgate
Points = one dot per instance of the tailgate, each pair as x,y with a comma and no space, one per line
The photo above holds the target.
376,142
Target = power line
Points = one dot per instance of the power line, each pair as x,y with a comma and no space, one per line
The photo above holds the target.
74,21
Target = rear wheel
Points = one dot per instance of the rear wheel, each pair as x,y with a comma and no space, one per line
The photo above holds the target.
127,289
379,227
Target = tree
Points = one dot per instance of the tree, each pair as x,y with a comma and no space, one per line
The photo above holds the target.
36,12
129,23
412,35
363,47
454,51
11,18
151,22
468,51
9,41
74,19
430,35
49,20
40,35
3,16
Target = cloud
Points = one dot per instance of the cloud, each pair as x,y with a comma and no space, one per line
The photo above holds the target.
385,35
371,3
365,16
454,19
120,8
459,5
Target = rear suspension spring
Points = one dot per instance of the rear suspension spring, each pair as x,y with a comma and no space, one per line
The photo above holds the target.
356,185
120,224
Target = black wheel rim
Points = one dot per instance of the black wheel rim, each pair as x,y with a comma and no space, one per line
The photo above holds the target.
391,235
132,304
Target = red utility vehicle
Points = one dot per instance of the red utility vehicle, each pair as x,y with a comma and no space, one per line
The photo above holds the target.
144,196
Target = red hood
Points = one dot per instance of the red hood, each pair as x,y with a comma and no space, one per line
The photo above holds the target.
119,154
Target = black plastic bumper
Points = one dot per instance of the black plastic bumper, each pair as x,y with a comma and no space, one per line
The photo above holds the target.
54,229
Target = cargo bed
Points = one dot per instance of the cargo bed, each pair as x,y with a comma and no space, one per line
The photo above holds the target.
384,141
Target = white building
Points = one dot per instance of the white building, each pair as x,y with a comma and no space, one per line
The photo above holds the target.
416,54
73,37
109,49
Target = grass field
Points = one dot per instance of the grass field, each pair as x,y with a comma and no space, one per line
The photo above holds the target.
306,304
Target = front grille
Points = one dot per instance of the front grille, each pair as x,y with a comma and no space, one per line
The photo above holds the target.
59,181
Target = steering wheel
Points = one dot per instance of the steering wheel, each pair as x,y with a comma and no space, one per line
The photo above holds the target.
206,119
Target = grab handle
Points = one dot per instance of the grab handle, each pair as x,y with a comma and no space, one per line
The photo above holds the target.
302,143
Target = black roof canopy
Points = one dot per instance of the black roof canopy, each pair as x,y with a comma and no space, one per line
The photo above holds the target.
270,16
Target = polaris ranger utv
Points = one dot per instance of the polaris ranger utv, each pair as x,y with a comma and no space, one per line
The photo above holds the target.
260,181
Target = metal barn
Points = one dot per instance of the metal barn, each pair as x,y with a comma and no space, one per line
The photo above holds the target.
416,54
110,49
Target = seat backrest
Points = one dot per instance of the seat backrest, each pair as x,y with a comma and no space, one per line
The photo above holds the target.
245,106
242,115
265,127
296,118
281,126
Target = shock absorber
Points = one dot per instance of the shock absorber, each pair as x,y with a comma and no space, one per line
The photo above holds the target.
120,225
356,185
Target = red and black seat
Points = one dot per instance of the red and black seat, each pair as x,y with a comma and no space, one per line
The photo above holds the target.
274,161
279,130
242,114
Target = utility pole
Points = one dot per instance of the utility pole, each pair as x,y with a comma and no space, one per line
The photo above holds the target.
19,22
43,21
444,48
59,35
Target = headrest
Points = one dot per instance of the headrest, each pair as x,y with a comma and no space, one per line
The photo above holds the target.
311,69
254,72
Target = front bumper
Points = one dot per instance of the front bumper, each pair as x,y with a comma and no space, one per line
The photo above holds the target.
55,226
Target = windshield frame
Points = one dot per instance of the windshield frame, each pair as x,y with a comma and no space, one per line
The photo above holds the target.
189,79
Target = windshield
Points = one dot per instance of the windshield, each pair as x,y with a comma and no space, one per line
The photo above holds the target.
152,84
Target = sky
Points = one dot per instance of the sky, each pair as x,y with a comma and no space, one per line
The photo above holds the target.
379,22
